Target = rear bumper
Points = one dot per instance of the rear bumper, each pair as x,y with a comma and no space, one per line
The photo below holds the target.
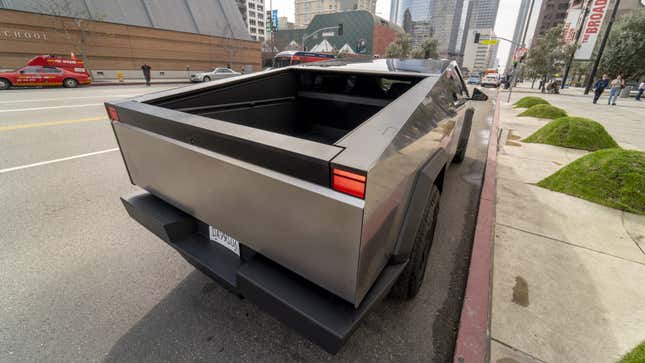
320,316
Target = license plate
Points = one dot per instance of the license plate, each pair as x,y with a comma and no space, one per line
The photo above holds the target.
223,239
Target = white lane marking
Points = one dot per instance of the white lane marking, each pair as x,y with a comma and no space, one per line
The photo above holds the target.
56,160
107,97
49,107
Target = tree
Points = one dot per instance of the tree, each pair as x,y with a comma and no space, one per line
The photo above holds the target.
400,47
427,49
548,55
625,50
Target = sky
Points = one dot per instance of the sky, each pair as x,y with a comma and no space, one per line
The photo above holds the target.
504,25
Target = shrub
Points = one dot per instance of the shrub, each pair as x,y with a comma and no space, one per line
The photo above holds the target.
611,177
574,132
529,101
544,111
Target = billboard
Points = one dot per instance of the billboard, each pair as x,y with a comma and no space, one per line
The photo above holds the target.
591,28
571,25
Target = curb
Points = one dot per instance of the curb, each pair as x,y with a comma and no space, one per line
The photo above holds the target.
136,83
473,338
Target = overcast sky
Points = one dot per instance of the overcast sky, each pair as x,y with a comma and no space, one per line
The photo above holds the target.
504,26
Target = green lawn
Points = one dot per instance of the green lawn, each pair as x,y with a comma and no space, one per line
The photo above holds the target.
635,356
544,111
611,177
530,101
574,132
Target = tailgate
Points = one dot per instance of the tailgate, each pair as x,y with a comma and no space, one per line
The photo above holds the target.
269,191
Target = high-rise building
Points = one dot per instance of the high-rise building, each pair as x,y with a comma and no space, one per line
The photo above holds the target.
483,14
439,19
306,9
253,13
552,13
520,25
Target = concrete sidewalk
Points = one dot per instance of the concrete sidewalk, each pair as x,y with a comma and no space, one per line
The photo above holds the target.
567,273
132,82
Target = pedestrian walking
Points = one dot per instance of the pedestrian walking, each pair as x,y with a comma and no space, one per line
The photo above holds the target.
146,73
599,87
616,85
641,89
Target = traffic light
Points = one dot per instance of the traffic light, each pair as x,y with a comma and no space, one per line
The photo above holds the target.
477,35
340,30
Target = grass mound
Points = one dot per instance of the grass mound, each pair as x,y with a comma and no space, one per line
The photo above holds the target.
635,356
530,101
611,177
574,132
544,111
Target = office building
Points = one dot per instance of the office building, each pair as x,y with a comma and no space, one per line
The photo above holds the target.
552,13
431,18
253,13
520,25
305,10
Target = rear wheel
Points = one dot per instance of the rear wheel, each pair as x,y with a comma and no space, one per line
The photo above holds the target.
70,83
207,79
409,283
4,83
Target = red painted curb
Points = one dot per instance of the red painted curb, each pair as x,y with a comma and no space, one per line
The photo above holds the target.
473,338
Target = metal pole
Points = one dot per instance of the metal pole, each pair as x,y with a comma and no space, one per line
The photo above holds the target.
526,29
575,43
602,48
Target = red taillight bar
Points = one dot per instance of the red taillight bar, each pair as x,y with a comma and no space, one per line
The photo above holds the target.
112,114
348,182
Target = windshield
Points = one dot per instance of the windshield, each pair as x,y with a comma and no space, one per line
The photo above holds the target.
281,62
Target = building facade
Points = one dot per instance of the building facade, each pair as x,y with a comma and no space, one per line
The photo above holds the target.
363,34
479,57
305,10
520,25
254,16
111,48
439,19
552,13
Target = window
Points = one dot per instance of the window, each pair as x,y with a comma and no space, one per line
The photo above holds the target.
253,30
252,22
51,70
222,70
260,8
30,70
251,6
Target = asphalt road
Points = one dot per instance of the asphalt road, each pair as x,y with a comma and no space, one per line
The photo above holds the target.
80,281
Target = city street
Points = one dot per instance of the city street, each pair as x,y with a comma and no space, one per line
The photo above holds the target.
82,281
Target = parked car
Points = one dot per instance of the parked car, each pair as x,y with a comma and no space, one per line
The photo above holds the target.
474,79
215,73
42,76
311,190
491,79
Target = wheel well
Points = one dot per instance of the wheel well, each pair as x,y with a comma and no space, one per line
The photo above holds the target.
439,179
6,79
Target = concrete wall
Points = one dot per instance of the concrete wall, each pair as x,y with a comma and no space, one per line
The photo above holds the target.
109,46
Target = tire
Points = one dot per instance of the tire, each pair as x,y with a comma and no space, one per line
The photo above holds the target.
70,83
409,283
4,84
462,144
207,79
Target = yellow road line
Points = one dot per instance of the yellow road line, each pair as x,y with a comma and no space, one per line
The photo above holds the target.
51,123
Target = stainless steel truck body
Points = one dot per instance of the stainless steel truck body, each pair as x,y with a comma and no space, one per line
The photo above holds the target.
303,189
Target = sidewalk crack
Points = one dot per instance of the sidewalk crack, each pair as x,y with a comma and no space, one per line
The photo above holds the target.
572,244
622,221
517,350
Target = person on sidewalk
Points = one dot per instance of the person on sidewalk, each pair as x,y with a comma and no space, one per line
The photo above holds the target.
599,87
641,89
616,85
146,73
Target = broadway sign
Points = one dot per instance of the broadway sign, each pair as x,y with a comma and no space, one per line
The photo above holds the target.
591,29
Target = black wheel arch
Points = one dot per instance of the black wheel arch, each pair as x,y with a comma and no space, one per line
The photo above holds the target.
433,173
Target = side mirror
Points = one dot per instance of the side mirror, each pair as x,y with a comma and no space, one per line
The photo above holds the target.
22,72
478,95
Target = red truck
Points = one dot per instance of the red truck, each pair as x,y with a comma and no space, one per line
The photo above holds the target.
46,70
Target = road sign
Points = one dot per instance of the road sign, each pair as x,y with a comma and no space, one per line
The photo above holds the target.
488,41
519,53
